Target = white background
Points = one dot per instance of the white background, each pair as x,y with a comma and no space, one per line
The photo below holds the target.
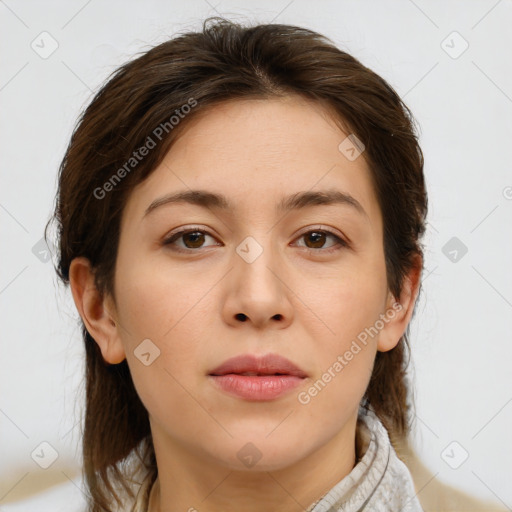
462,348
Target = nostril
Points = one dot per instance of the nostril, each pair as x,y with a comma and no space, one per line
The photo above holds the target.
241,317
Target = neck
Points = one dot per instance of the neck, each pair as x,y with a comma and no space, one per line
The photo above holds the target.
194,483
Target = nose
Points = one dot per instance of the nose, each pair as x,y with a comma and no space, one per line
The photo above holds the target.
258,293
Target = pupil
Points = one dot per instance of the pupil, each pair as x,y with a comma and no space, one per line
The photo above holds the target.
195,235
316,237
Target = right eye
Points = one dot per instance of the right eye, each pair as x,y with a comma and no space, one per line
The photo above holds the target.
191,239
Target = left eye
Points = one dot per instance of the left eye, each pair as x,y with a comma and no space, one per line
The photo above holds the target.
318,237
195,238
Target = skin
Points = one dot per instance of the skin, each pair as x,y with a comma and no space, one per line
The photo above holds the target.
255,152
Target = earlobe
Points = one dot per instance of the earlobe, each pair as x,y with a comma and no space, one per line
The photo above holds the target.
399,312
97,312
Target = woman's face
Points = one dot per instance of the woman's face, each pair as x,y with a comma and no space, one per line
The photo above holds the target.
253,278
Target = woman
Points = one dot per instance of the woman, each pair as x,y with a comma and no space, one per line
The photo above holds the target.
239,215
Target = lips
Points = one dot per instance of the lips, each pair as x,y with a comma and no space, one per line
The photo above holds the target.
252,378
251,365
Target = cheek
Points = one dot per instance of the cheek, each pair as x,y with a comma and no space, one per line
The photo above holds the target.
152,307
345,338
345,306
154,302
344,375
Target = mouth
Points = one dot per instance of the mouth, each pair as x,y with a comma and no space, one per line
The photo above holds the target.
257,378
253,366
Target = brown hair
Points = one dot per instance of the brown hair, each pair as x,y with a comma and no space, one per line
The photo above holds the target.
225,61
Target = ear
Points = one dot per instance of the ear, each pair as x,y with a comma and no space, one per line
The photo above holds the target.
98,313
399,312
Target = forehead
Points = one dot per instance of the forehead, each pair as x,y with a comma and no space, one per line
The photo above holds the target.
255,152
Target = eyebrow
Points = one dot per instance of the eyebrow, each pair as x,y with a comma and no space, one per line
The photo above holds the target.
295,201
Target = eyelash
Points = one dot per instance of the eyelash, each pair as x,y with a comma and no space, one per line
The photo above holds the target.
340,242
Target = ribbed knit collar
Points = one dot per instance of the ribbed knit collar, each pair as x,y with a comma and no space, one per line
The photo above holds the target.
379,482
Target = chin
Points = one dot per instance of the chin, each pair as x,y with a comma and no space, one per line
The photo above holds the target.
259,455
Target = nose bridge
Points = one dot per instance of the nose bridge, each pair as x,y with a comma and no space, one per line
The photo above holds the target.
258,292
258,259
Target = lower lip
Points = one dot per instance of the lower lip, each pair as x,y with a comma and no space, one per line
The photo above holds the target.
252,387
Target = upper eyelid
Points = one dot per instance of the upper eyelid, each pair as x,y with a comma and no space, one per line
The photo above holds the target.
322,227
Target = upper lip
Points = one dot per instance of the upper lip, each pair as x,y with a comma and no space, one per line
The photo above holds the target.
269,364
